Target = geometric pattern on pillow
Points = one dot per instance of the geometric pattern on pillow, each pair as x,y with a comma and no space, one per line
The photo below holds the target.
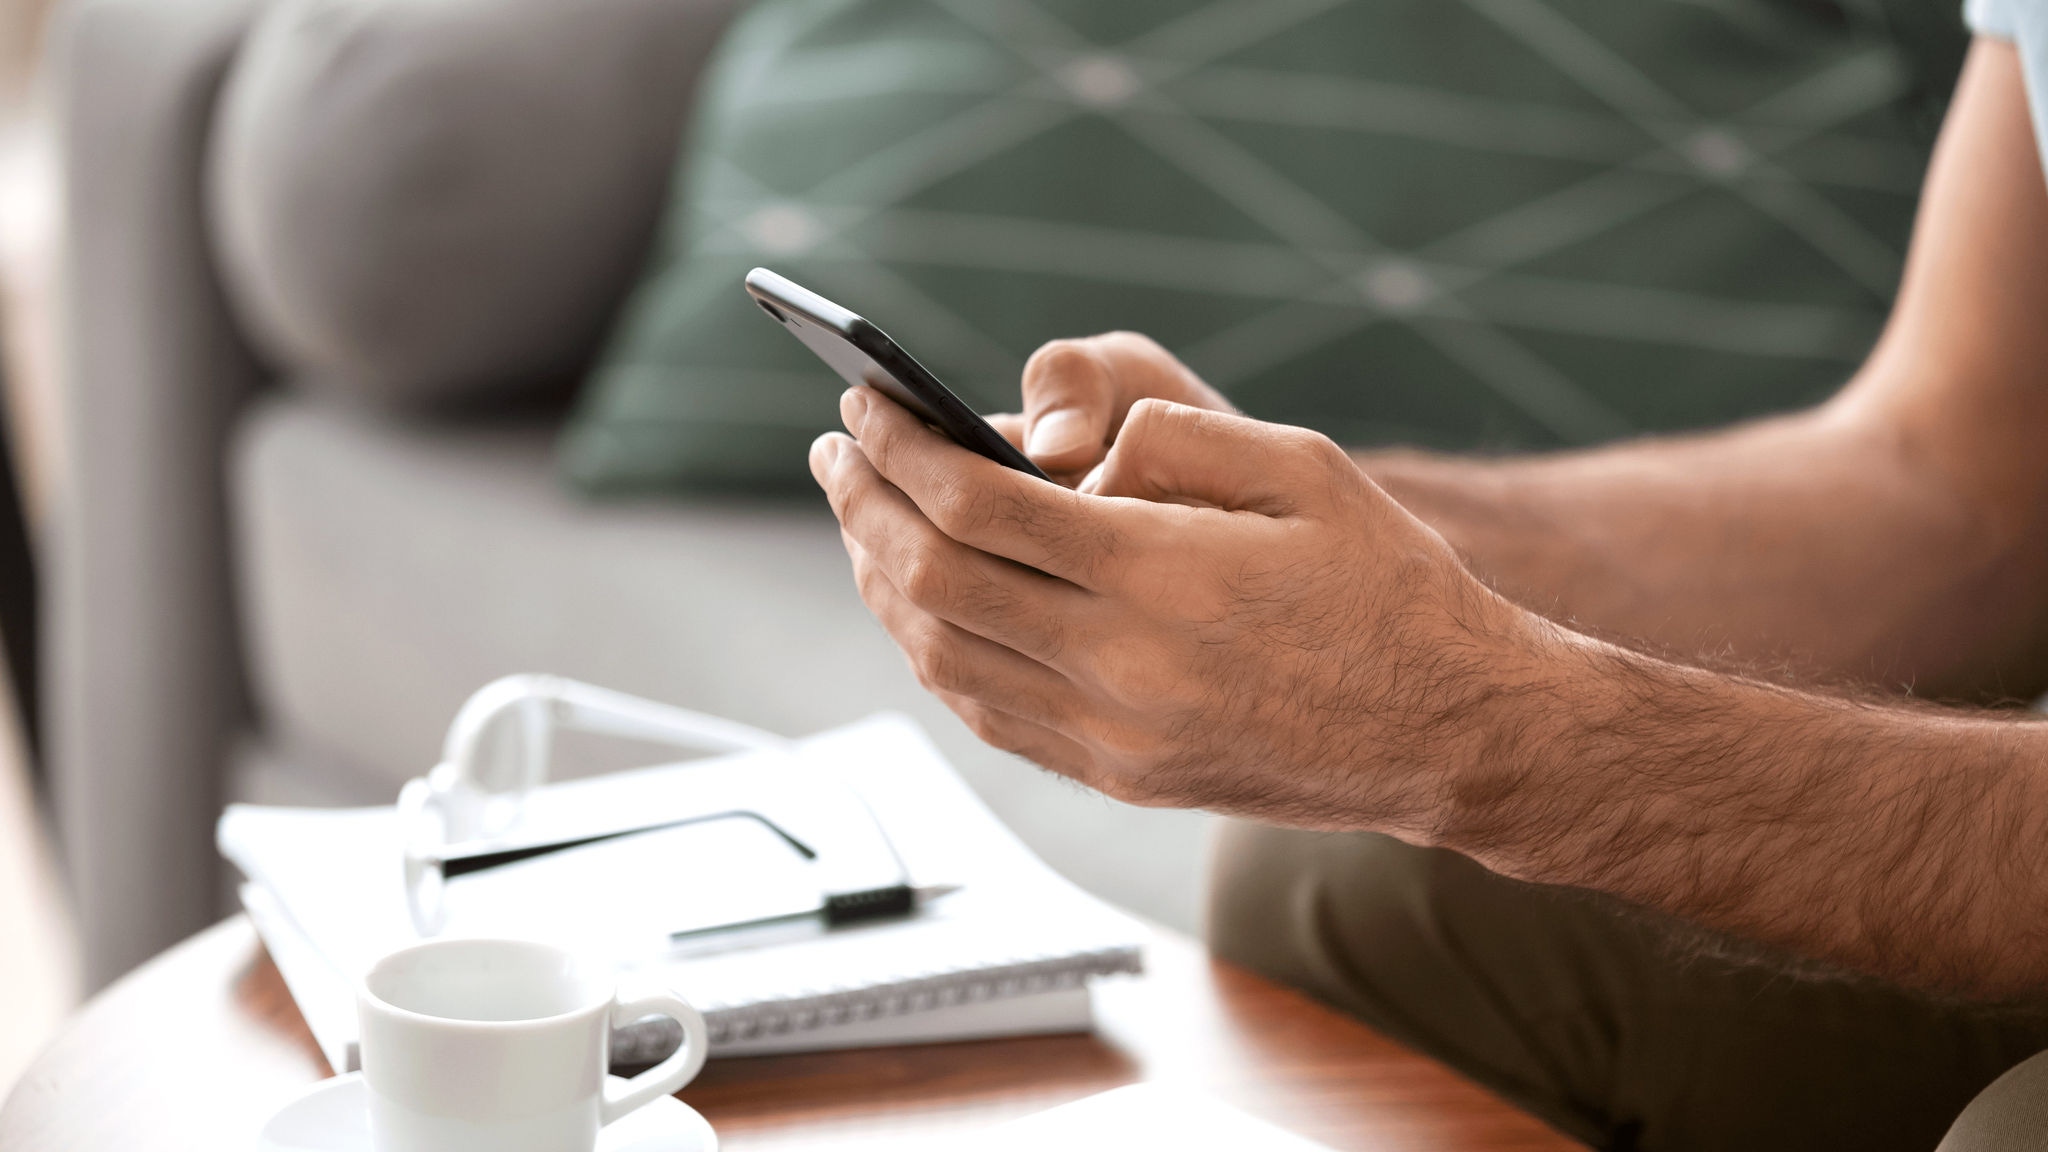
1460,223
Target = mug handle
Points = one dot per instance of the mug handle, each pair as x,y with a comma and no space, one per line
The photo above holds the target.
668,1077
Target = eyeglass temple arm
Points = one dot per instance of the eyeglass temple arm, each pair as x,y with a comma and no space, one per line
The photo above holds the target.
453,866
545,704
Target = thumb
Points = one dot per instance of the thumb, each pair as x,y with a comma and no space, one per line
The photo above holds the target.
1077,391
1070,397
1172,453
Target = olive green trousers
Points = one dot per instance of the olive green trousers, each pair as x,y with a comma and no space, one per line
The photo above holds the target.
1612,1027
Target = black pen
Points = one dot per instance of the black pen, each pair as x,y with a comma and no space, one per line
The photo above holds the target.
835,911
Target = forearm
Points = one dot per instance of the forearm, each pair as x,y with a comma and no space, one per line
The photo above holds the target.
1894,535
1903,842
1818,542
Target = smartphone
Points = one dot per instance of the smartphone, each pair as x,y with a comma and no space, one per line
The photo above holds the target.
863,354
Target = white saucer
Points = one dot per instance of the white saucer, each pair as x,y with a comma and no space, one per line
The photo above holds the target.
334,1116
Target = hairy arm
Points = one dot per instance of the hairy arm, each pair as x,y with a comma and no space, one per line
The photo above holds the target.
1902,841
1897,535
1232,615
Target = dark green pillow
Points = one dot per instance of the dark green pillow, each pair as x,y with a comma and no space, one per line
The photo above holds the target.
1488,223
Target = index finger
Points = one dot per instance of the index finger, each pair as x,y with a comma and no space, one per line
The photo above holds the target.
989,507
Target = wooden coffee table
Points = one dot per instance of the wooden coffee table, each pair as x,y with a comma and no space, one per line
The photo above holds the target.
194,1049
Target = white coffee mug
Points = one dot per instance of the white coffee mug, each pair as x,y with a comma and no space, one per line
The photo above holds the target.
503,1046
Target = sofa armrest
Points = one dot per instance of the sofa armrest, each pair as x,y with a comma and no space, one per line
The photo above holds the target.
420,206
143,685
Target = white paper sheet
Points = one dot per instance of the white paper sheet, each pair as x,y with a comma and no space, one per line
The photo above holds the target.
1015,928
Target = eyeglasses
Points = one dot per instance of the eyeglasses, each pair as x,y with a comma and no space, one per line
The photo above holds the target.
458,863
449,817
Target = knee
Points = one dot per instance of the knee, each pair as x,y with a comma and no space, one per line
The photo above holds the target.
1302,907
2009,1116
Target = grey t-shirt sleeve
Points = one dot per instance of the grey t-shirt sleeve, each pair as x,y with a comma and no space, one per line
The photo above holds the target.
1998,18
2025,23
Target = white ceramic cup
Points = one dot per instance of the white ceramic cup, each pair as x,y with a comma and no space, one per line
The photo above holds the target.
503,1046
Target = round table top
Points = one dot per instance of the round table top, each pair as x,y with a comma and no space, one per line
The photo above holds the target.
195,1049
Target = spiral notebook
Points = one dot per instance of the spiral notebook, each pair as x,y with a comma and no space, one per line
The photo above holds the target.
1010,952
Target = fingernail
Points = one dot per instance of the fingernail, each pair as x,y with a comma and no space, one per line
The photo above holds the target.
824,453
1057,433
853,409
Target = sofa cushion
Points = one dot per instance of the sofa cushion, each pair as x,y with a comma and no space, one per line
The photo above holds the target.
386,572
1493,225
419,201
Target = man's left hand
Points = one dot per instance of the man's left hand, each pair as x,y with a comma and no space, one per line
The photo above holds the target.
1235,619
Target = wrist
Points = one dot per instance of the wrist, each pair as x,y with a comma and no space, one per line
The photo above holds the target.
1536,677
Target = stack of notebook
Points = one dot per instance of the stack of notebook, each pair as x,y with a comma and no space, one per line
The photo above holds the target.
1009,951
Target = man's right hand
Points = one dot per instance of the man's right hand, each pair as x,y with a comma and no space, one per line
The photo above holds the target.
1077,393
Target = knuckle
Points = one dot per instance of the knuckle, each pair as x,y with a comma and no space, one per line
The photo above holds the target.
982,721
1147,410
924,579
1320,447
1151,425
1138,767
850,495
1128,744
869,579
937,662
1058,359
966,510
999,731
877,444
1064,370
1136,345
1152,415
1141,679
1324,466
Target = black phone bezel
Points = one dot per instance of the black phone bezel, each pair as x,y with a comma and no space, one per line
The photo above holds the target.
793,306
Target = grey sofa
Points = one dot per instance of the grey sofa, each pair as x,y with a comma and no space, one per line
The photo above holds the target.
329,276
